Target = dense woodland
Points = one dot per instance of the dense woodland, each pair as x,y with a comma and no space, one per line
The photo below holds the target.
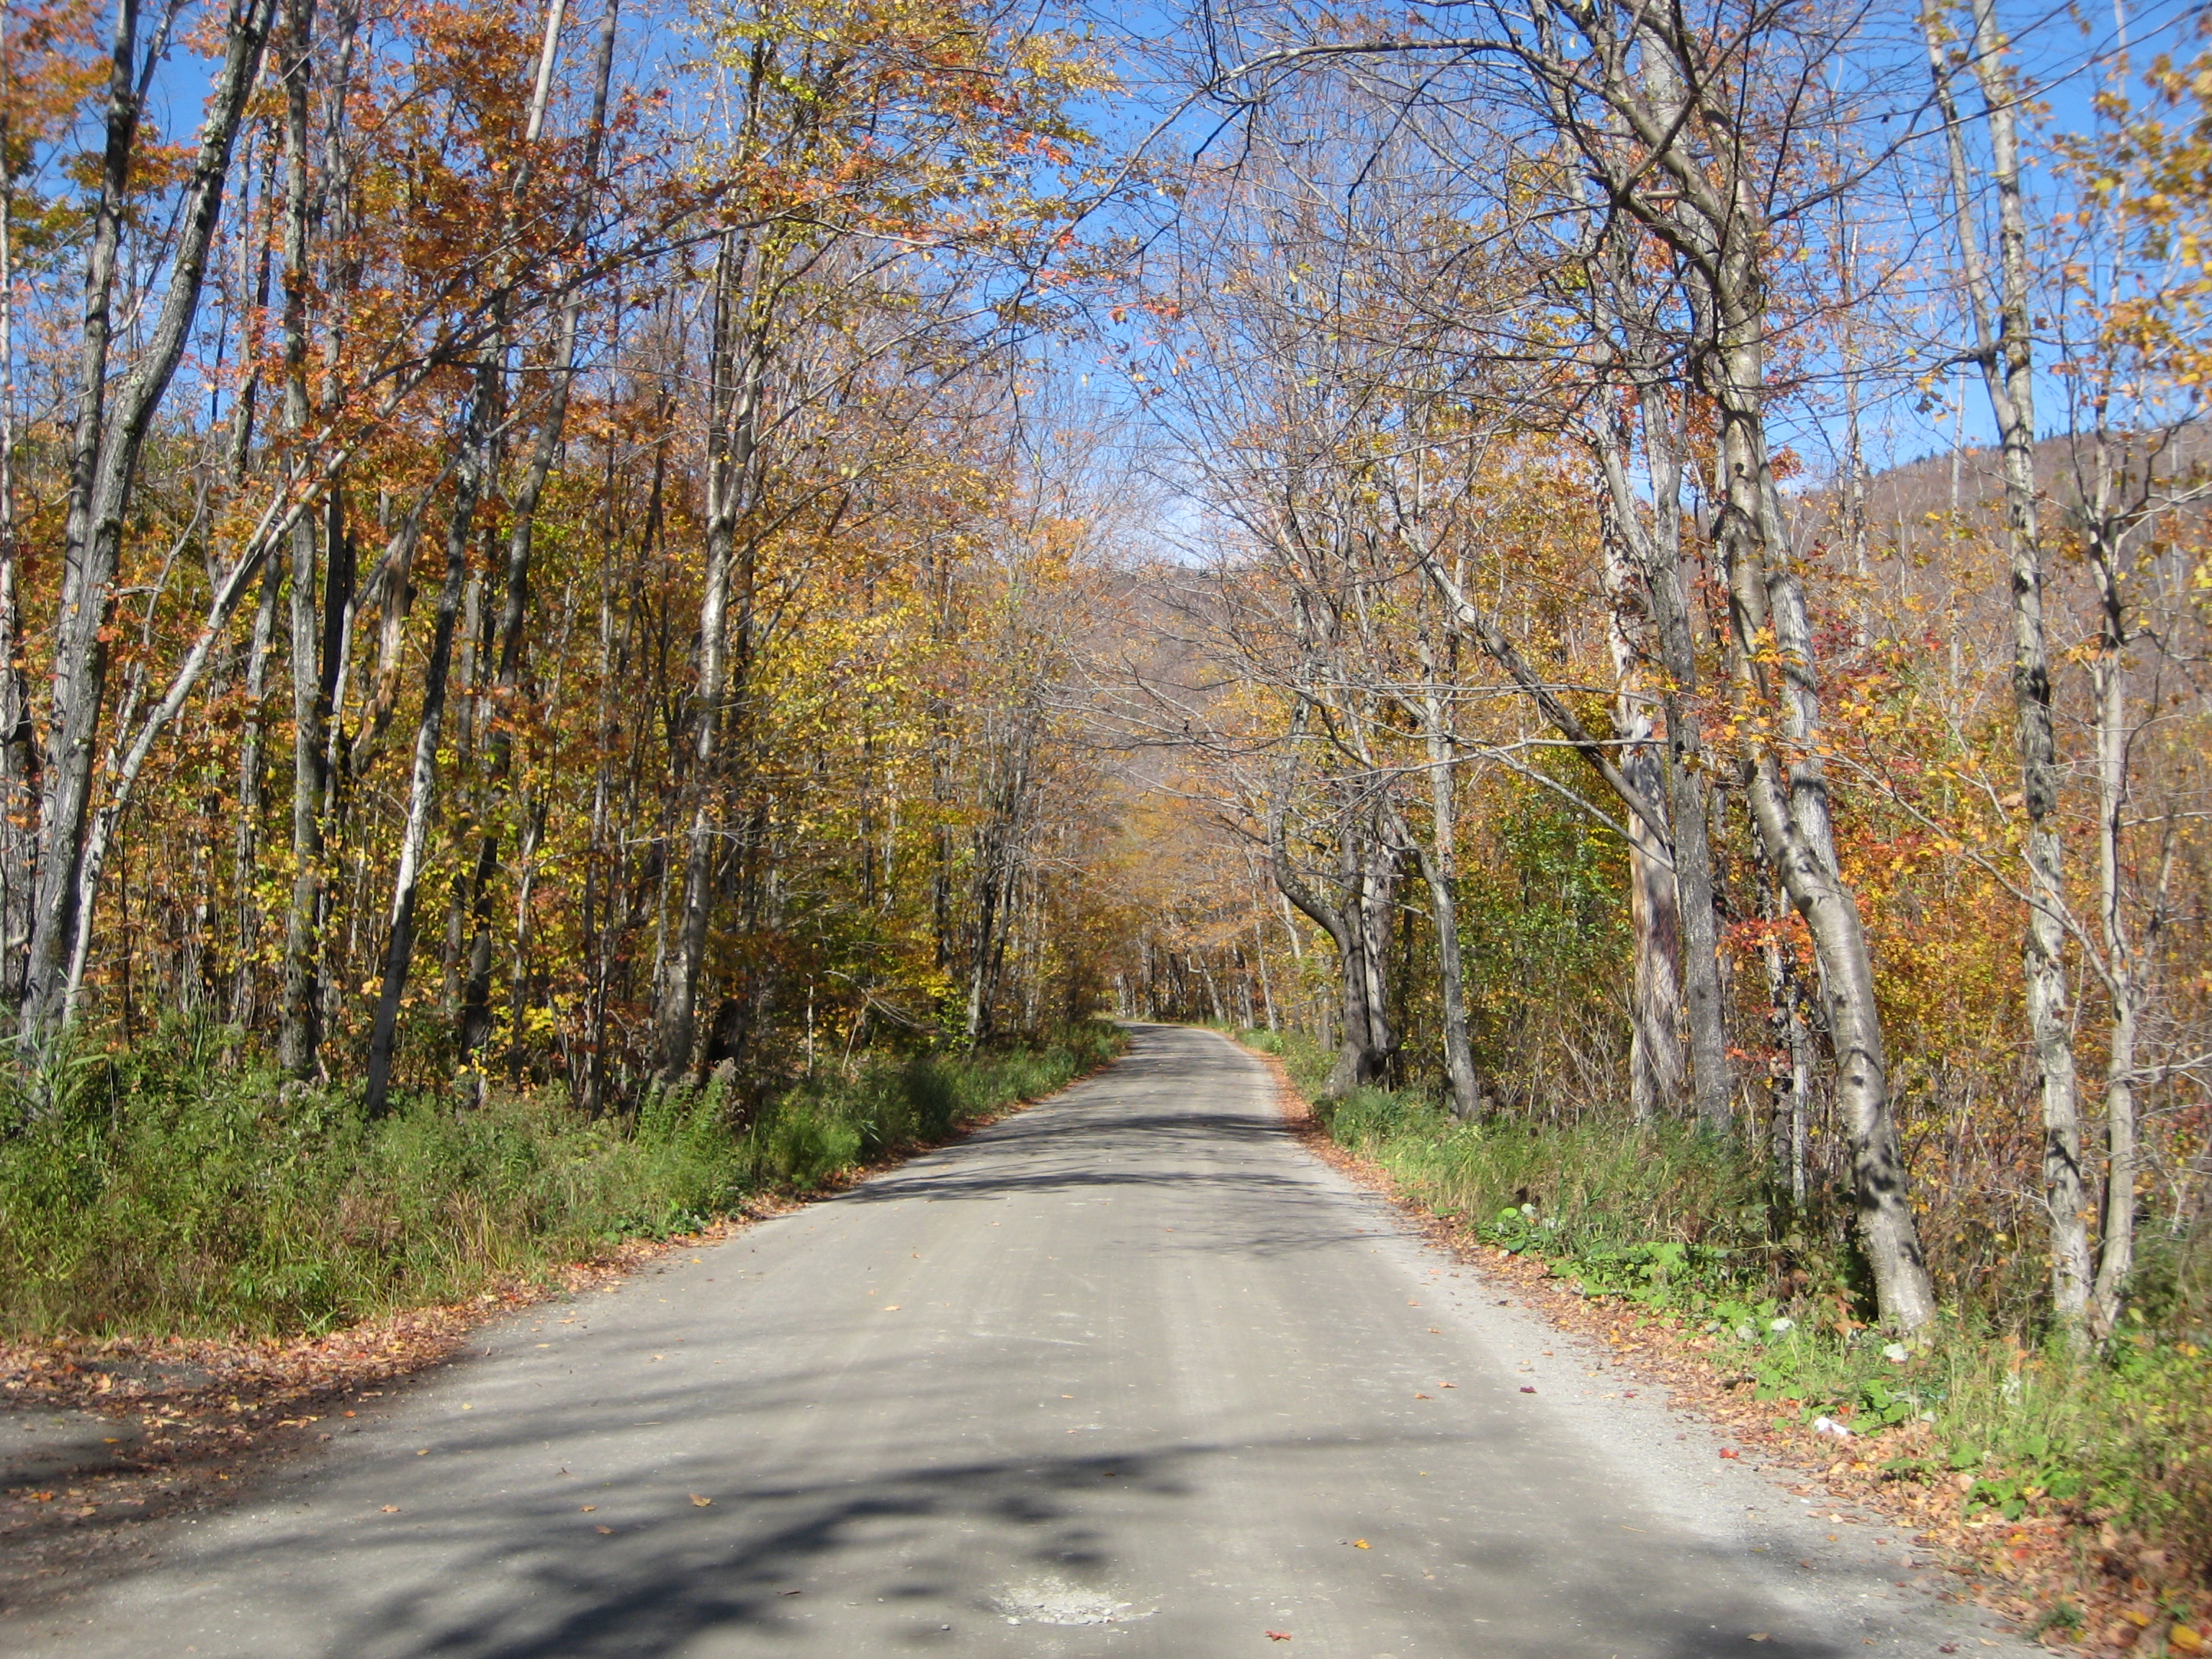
587,556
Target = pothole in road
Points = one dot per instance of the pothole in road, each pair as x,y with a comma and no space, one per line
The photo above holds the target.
1054,1602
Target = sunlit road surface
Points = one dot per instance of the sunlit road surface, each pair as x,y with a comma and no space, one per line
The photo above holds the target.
1130,1373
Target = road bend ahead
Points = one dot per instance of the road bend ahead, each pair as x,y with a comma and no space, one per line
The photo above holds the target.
1128,1374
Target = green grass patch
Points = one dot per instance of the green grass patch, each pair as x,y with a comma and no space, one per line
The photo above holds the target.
178,1189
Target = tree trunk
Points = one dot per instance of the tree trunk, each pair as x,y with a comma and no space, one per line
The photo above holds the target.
2116,1244
507,683
2005,347
422,780
19,780
1439,868
1790,803
298,1037
246,839
1657,1075
1655,542
737,367
1365,1044
2124,970
104,450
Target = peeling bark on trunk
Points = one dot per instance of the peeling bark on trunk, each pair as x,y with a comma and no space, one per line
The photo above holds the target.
1439,870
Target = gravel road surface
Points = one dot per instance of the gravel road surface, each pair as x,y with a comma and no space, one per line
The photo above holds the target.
1130,1373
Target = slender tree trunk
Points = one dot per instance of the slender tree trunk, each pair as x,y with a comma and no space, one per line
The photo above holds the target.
1789,802
738,368
422,780
1655,541
104,451
1788,1086
1440,868
509,681
1365,1040
2124,967
245,839
2116,1244
2005,345
19,780
1656,1074
298,1037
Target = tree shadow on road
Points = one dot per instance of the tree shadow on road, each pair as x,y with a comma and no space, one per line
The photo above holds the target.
887,1562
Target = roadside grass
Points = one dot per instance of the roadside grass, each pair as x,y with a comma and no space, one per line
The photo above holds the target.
175,1189
1979,1420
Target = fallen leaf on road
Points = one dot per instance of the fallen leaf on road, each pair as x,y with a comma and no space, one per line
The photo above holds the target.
1278,1636
1525,1389
1760,1636
609,1530
790,1592
392,1508
699,1503
2184,1639
1948,1647
1730,1451
1359,1543
894,1308
1422,1396
589,1508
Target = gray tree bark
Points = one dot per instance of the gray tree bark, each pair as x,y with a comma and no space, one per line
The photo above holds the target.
737,367
2005,349
299,1033
423,779
1711,214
